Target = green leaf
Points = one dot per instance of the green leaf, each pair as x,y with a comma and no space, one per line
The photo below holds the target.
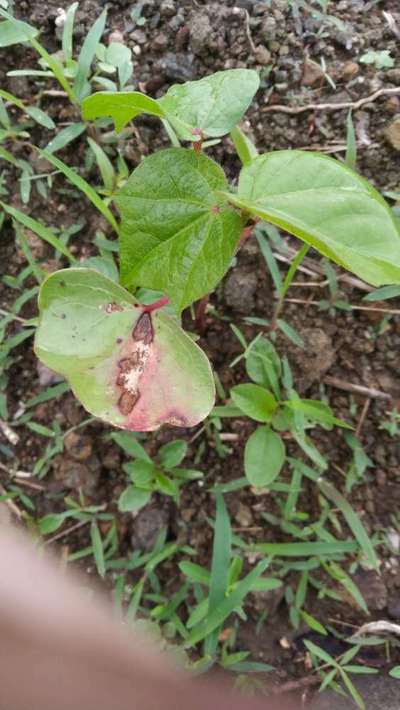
290,332
264,456
229,604
195,573
133,369
67,34
213,105
221,558
316,410
263,364
132,499
122,106
173,453
254,401
352,520
328,206
52,522
104,164
177,237
141,472
64,137
305,549
319,653
382,294
313,623
244,147
128,442
395,672
40,116
97,546
87,54
14,32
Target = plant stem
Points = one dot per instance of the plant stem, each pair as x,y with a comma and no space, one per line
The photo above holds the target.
164,301
287,282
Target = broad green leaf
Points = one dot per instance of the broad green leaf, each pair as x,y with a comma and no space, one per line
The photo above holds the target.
173,453
134,369
122,106
132,499
255,401
395,672
264,456
140,472
213,105
328,206
263,364
14,32
177,236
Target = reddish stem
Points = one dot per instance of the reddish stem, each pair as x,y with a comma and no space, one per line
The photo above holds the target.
197,145
200,321
156,305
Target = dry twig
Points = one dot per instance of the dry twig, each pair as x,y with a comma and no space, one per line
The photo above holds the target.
355,105
357,389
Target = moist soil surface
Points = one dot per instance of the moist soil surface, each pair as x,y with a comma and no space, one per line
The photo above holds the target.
303,58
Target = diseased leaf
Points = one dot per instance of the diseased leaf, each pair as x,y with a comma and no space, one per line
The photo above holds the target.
132,368
264,456
177,235
213,105
122,106
328,206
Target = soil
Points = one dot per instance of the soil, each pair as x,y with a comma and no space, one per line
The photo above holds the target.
185,40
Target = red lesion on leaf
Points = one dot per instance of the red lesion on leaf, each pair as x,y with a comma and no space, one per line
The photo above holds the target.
112,307
131,367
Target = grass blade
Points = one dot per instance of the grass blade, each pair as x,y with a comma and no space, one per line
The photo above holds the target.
305,549
271,262
352,520
87,53
97,545
104,165
351,143
220,565
39,229
64,137
82,185
68,32
229,604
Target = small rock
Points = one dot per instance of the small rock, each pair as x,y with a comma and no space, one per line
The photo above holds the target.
75,475
372,589
262,55
182,38
147,525
200,33
392,133
393,606
46,376
160,42
240,290
116,36
312,362
350,70
244,516
79,446
392,105
168,8
312,73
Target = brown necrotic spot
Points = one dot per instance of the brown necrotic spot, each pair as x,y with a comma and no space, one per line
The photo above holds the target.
127,402
143,329
112,307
